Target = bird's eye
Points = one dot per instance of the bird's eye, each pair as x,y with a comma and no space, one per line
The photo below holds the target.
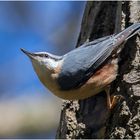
46,55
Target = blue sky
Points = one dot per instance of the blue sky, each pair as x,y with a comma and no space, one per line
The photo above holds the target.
35,26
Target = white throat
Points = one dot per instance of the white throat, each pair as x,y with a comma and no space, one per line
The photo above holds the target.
52,63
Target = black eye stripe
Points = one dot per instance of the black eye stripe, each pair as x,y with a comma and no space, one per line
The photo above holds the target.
45,55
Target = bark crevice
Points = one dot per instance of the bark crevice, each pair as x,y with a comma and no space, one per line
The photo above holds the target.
90,118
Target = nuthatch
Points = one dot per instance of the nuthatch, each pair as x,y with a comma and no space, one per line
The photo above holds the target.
84,71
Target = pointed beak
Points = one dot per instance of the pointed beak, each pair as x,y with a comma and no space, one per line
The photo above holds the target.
29,54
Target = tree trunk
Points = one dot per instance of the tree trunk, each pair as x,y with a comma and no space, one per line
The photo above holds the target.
90,118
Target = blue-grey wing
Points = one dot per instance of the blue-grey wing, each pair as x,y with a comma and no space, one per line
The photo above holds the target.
81,63
78,65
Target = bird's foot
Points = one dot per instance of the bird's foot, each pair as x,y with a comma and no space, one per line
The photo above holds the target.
114,99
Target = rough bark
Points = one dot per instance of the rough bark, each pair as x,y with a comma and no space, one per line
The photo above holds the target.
90,118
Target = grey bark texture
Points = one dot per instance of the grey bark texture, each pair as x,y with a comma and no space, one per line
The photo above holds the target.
90,118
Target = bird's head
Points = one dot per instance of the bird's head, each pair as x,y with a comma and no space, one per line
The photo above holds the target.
43,62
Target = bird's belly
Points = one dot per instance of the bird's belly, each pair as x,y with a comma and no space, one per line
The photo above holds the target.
97,83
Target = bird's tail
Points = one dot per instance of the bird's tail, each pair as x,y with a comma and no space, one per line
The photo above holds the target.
121,38
126,34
